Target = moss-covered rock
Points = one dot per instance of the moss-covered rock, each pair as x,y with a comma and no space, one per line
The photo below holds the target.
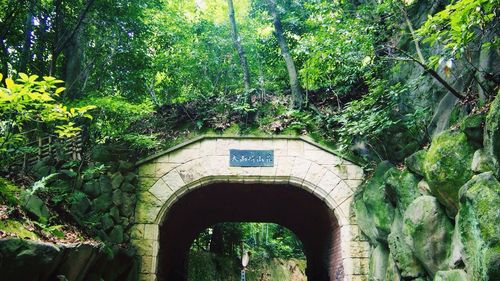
415,162
378,263
401,253
492,133
479,226
447,167
451,275
374,212
472,126
401,187
428,232
392,273
35,206
482,162
27,260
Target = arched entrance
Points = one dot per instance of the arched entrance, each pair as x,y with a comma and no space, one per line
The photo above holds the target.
192,186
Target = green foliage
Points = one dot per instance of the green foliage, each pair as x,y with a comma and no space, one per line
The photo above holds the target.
461,24
368,117
115,117
9,192
337,50
30,105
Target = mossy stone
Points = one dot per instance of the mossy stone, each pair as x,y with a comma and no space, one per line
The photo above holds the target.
451,275
117,180
374,212
116,235
482,162
105,183
35,206
92,188
17,228
103,202
401,187
447,167
479,227
415,162
378,263
473,127
106,222
492,133
401,253
428,232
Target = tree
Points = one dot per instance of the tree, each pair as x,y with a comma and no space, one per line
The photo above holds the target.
239,47
297,95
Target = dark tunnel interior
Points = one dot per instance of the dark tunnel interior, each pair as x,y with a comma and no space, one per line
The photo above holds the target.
290,206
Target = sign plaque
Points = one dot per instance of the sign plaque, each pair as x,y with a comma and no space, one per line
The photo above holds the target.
251,158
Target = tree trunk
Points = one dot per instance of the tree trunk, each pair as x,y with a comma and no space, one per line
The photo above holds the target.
239,47
72,67
297,95
25,54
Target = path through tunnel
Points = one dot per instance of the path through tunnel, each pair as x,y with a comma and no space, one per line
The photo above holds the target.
290,206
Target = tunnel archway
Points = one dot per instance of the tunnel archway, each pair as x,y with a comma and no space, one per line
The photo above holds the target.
298,210
301,169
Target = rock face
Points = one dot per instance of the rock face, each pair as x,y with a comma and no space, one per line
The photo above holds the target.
401,253
447,167
35,261
401,187
492,133
479,227
451,275
428,232
378,263
374,213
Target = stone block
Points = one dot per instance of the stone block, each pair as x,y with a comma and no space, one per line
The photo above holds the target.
341,192
300,168
161,190
174,180
354,172
208,147
137,231
284,165
163,168
295,148
223,145
315,173
147,170
328,182
183,155
280,147
151,231
192,171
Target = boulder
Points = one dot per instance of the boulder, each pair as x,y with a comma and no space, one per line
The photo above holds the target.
392,273
117,180
76,261
451,275
36,207
401,187
428,232
80,205
106,222
378,263
105,183
492,133
374,212
415,162
115,214
482,162
103,202
457,248
92,188
128,204
116,235
117,197
479,227
401,253
27,260
472,126
447,167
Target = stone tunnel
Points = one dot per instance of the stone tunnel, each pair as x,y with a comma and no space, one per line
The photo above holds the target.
308,189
